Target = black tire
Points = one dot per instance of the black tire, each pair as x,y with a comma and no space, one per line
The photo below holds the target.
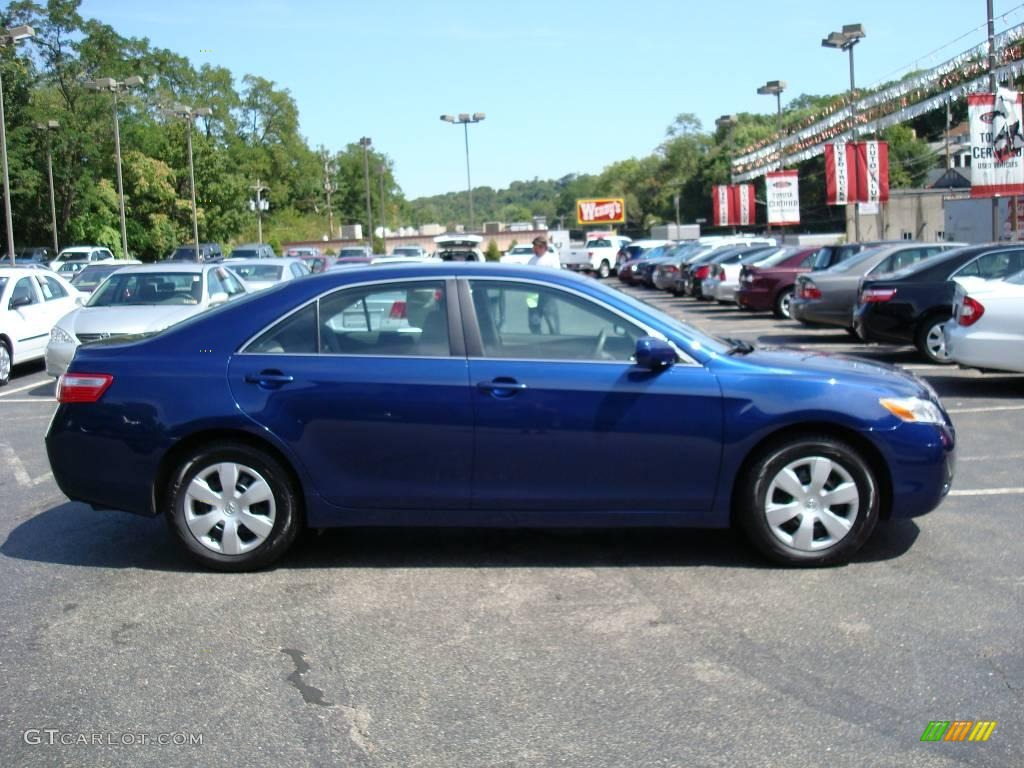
285,511
604,270
852,522
929,340
782,304
6,362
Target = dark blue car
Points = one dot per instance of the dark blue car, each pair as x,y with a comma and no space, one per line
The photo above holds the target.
487,395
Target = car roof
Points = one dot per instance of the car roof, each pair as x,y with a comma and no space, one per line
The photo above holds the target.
174,266
280,261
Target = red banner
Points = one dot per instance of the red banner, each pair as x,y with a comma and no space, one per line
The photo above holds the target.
733,205
872,171
856,172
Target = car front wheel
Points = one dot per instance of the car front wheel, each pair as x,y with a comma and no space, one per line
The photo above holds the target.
5,363
808,501
233,507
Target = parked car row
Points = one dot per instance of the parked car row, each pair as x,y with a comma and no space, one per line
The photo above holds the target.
897,292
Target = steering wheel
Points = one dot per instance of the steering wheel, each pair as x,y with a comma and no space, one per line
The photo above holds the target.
602,337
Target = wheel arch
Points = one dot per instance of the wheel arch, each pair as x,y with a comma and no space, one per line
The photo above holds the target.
171,459
791,432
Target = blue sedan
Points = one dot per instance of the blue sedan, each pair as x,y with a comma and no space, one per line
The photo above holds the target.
487,395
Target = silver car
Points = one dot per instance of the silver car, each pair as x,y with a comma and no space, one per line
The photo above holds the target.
141,299
264,273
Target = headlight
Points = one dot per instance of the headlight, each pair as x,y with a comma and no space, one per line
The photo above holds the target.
59,336
913,409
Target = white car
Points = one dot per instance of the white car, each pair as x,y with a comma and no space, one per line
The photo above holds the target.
31,302
518,254
987,329
88,253
141,299
264,273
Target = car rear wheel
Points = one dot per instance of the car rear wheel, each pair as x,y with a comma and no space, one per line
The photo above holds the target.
808,501
5,363
604,270
931,342
233,507
783,302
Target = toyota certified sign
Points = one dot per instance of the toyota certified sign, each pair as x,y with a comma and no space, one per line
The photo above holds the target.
601,211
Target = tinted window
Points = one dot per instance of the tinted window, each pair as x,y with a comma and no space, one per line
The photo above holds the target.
394,319
90,277
245,253
258,272
524,321
994,266
295,335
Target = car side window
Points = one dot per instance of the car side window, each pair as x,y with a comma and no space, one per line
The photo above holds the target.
213,283
23,289
995,265
295,335
534,322
394,319
51,289
231,286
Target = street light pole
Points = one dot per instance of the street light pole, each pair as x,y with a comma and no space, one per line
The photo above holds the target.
114,87
365,143
850,35
189,114
328,188
464,119
383,212
258,187
50,125
775,88
9,37
726,123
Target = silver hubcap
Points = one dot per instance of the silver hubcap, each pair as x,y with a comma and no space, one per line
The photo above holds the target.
229,508
935,343
812,504
784,304
5,362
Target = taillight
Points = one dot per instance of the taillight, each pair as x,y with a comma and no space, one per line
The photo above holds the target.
82,387
701,273
809,290
970,312
397,310
876,295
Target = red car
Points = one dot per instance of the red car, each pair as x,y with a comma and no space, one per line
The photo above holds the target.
771,286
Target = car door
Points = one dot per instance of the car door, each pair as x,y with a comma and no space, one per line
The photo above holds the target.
29,323
369,388
565,422
57,301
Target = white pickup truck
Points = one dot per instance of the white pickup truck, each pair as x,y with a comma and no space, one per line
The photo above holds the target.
597,256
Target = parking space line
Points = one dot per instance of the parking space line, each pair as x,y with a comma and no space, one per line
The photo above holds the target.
991,458
20,473
7,392
988,492
988,409
48,400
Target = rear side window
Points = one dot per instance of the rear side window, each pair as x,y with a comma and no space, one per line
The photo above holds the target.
295,335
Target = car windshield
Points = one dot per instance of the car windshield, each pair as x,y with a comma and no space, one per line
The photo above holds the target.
258,272
149,288
777,258
90,277
245,253
69,255
406,252
352,252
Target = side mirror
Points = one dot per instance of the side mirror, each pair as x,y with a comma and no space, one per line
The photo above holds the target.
80,300
654,354
218,298
20,301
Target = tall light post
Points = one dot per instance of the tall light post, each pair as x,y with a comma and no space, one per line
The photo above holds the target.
383,212
50,125
464,119
365,143
775,88
850,35
189,114
115,87
9,37
259,188
328,189
726,123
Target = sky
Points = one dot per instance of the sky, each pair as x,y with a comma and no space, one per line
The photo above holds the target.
566,86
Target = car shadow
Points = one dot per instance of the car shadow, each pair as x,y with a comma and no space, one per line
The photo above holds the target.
74,534
990,385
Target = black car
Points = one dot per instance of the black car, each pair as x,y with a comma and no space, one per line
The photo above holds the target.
697,271
24,257
207,252
830,255
912,306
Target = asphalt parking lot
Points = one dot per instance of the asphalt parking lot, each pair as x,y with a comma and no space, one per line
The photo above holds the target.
497,648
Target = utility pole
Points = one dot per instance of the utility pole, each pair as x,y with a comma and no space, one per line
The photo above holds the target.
365,143
993,86
383,212
328,188
50,125
259,188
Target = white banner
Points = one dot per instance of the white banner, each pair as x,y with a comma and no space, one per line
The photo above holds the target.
782,193
997,167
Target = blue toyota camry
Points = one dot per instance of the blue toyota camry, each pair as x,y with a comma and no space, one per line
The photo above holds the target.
487,395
